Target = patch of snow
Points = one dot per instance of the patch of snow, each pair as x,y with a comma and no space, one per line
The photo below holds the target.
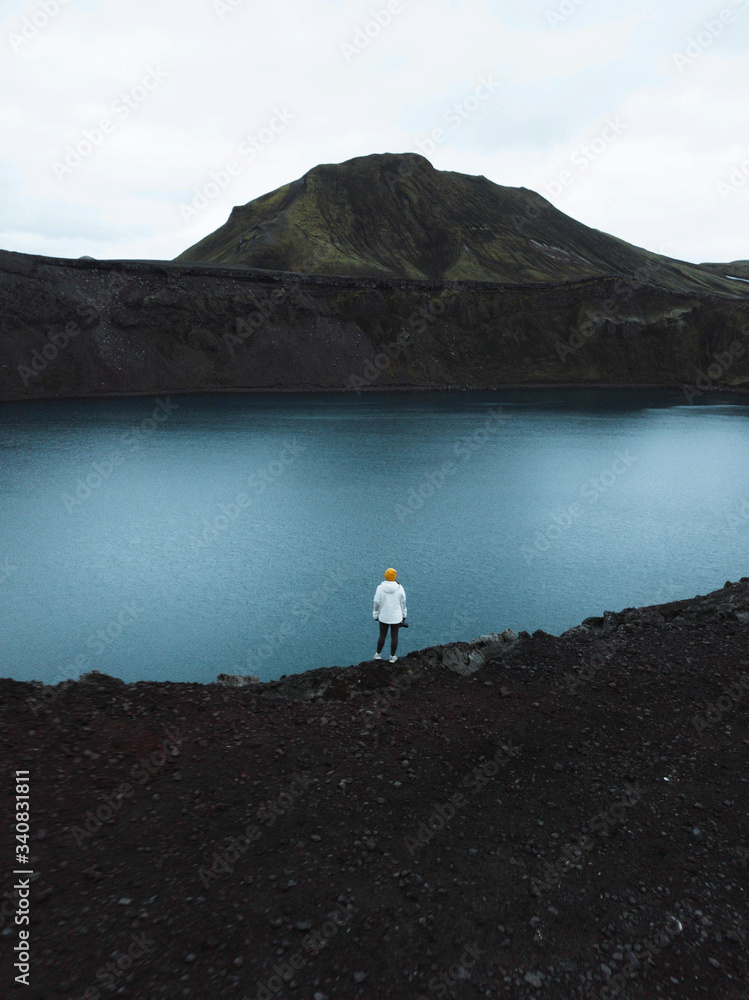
550,248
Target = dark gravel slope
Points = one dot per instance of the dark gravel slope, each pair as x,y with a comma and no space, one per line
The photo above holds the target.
533,816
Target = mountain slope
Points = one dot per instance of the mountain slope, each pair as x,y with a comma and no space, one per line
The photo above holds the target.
381,272
737,270
396,216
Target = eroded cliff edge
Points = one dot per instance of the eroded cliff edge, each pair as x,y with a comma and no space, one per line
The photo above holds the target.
93,328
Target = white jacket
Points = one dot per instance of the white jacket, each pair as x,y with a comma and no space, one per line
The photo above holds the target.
390,603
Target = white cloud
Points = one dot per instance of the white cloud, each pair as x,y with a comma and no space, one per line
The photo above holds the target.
656,186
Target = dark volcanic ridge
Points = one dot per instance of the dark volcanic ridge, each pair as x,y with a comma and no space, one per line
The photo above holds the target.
87,328
521,817
377,273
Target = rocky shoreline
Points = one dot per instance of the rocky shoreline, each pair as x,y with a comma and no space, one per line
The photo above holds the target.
520,816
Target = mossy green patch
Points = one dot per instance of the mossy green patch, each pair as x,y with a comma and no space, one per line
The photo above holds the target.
395,216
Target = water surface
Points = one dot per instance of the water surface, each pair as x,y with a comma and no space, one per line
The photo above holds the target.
247,534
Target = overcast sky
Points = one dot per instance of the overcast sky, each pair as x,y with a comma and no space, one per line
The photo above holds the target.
116,114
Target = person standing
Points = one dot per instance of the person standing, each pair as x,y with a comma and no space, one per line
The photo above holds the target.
389,609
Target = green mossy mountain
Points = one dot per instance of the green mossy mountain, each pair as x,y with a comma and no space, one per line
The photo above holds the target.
396,216
379,273
736,270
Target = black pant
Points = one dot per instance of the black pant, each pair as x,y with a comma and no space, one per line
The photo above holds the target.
393,637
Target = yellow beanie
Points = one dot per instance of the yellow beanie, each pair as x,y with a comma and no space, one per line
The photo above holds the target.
390,574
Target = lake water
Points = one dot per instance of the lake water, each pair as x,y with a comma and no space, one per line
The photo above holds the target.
180,539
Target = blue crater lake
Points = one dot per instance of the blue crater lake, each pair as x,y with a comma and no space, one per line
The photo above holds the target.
181,537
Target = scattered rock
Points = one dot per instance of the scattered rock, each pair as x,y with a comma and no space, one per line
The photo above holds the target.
517,829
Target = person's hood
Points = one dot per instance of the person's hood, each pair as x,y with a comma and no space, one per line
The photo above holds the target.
390,586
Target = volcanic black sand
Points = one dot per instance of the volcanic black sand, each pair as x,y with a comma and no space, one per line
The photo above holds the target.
519,816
